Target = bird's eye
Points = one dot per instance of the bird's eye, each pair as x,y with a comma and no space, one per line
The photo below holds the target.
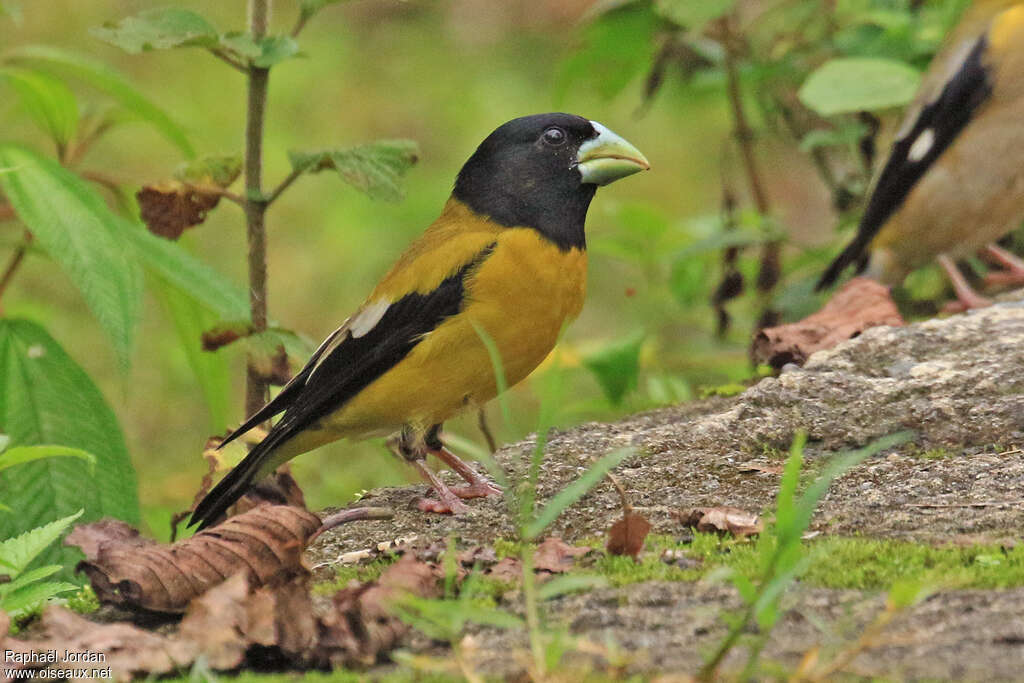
554,136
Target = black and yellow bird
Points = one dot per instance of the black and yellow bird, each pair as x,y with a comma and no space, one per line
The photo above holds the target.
506,259
954,179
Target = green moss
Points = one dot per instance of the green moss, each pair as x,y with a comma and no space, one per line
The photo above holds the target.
84,601
357,572
837,562
730,389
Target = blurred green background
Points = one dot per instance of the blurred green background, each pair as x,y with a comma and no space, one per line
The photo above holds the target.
445,74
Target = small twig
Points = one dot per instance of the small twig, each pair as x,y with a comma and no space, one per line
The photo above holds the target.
103,179
222,55
300,24
353,515
626,506
485,429
282,186
977,504
14,263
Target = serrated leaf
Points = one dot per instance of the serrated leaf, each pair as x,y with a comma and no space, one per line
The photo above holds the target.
851,84
19,551
24,454
25,578
32,597
374,168
180,269
211,371
159,29
72,223
106,80
693,14
617,366
46,398
50,103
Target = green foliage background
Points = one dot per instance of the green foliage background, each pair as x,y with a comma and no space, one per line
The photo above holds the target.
444,74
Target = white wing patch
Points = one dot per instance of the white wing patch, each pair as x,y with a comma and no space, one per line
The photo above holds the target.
367,319
357,326
921,146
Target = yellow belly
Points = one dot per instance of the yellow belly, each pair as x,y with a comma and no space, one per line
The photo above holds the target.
521,297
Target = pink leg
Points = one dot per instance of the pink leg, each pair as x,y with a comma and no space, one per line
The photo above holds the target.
478,487
1014,273
449,503
967,298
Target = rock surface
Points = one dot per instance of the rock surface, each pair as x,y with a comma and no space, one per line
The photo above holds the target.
958,383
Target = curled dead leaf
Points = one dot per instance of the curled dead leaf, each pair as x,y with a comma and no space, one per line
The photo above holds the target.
857,306
266,543
556,556
221,335
170,207
627,536
723,520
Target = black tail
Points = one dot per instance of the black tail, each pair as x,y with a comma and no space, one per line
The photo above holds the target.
233,486
854,253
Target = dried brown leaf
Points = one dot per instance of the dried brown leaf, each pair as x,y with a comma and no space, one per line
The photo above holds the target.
627,536
752,467
556,556
169,207
859,305
508,569
220,336
360,625
723,520
266,543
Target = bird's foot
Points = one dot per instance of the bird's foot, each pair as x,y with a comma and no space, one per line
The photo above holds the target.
478,489
453,506
966,297
962,304
1013,274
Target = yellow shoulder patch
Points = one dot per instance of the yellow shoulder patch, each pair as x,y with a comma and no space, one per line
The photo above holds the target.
1007,28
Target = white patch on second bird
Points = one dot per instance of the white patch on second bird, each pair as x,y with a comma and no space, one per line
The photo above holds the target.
921,146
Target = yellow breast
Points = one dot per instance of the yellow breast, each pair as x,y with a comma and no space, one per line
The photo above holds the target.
521,296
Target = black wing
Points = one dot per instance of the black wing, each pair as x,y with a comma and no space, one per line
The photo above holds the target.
335,375
934,130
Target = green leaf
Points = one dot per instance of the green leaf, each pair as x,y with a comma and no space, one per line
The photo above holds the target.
46,398
180,269
310,7
693,14
25,578
574,491
24,454
30,598
159,29
219,170
617,366
570,583
47,100
74,226
19,551
851,84
106,80
617,46
374,168
274,49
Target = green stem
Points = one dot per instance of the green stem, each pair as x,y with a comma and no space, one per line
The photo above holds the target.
532,610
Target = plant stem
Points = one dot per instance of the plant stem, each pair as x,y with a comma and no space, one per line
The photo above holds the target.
255,203
282,186
532,612
14,263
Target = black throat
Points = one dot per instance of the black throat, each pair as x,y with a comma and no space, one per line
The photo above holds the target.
553,204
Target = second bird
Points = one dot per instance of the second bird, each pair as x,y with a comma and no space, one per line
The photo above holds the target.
506,259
